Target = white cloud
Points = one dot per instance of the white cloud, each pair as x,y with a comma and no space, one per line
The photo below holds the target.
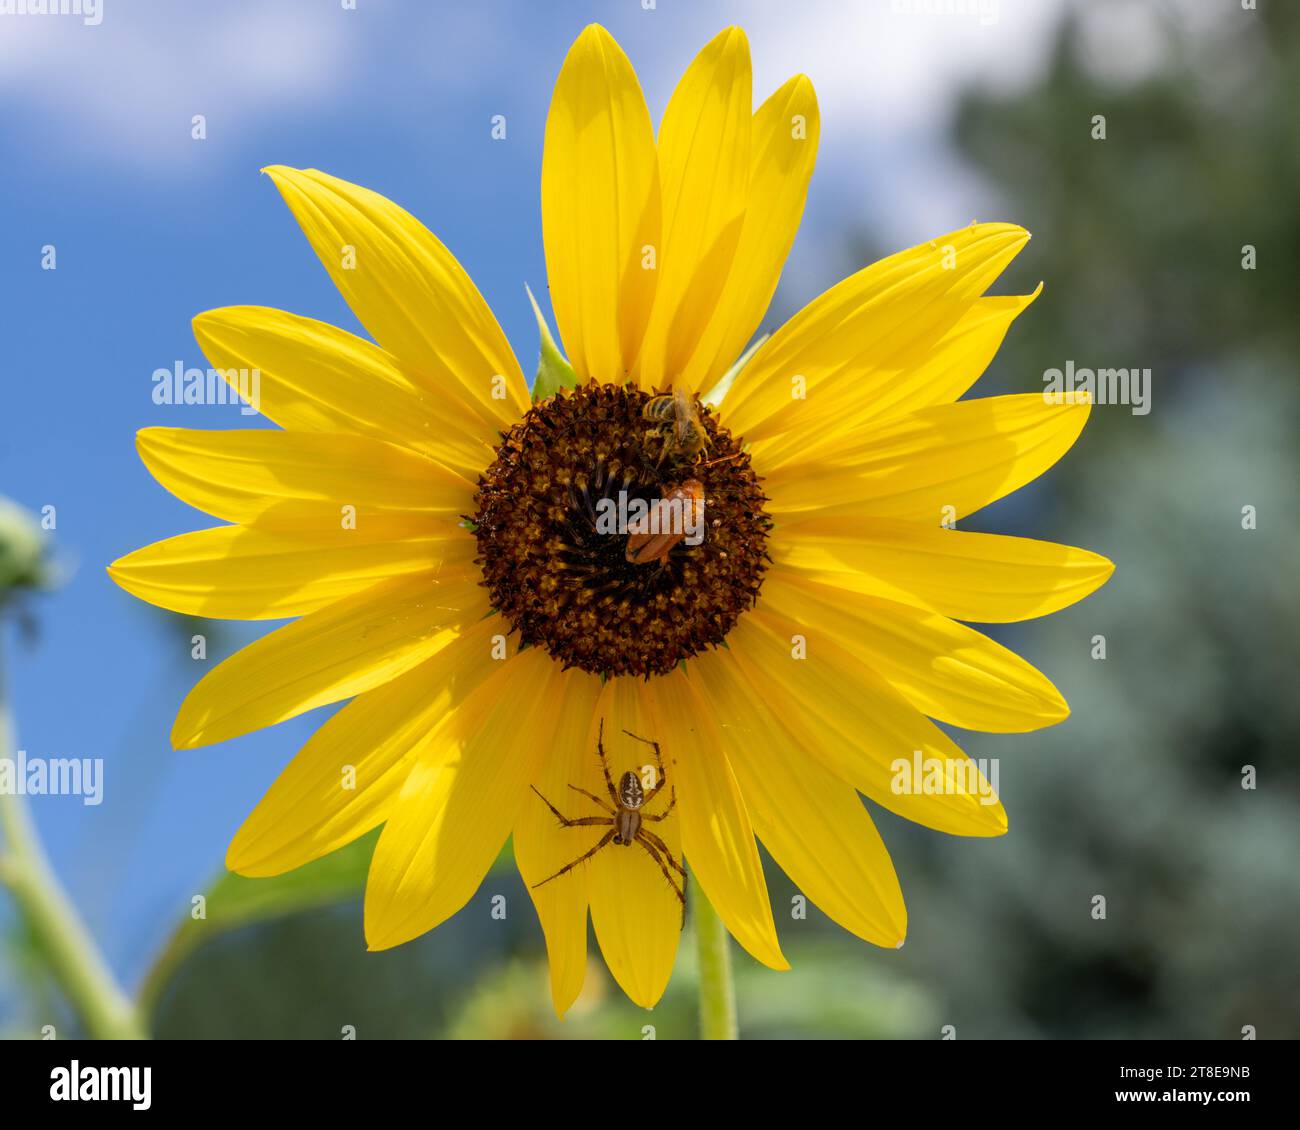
887,74
128,87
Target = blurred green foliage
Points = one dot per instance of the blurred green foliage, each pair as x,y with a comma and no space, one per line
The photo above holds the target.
234,902
1139,797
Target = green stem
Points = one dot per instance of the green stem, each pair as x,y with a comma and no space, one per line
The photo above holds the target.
65,943
717,993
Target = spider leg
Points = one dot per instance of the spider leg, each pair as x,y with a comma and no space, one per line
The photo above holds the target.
672,801
659,761
657,843
565,820
584,856
594,797
681,897
604,764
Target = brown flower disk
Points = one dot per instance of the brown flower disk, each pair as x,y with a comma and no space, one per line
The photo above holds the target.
564,586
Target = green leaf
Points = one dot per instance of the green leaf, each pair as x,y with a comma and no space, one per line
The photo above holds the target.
553,371
234,901
719,390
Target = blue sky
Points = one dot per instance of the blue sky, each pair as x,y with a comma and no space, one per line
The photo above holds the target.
150,227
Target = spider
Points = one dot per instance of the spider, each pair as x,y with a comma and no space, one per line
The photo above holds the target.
626,819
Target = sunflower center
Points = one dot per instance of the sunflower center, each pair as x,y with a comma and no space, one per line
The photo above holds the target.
623,532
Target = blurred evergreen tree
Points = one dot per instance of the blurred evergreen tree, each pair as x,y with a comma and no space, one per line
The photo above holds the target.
1139,796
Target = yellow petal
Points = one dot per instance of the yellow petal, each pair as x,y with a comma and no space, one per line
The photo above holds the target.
786,129
314,377
542,847
857,727
600,207
888,384
987,578
944,669
943,462
235,573
459,802
814,825
344,781
305,481
344,649
704,171
636,915
716,833
881,332
409,292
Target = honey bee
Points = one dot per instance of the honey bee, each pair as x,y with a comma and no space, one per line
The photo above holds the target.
687,501
677,423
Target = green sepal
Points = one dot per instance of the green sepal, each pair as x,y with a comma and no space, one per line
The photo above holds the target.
719,390
553,371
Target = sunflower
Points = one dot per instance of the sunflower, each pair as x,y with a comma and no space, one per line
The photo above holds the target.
430,529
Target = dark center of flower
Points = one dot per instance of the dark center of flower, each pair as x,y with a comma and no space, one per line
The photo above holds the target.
552,519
